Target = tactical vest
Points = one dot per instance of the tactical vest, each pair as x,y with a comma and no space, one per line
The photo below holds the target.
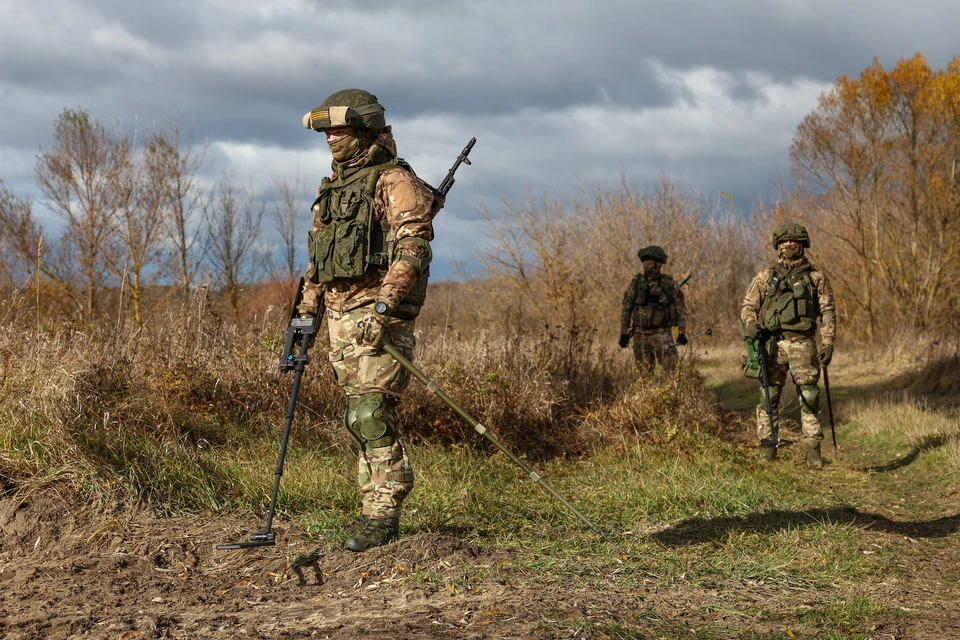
792,302
654,306
350,241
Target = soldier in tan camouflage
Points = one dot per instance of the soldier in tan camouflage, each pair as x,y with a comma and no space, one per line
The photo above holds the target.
652,305
369,254
781,309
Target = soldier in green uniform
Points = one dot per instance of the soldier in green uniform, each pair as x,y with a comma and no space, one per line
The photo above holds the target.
369,250
652,305
781,308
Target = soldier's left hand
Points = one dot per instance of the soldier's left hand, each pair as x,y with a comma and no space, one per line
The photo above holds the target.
826,354
371,331
682,338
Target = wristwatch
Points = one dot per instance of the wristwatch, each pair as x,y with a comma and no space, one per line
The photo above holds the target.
382,309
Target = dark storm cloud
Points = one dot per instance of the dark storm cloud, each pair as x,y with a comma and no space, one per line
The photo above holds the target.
557,92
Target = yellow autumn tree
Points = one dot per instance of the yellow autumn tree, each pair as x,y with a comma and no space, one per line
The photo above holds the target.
880,153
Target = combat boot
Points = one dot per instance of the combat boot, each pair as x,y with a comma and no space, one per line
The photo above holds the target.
356,524
813,453
379,531
768,453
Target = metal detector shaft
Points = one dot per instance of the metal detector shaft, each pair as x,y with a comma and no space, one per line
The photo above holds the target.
833,429
674,345
482,430
765,380
300,332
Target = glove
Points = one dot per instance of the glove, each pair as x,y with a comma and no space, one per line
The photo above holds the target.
826,354
305,311
624,340
682,338
371,331
752,329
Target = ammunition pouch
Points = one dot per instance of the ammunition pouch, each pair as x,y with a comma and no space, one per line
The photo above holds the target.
655,308
791,302
348,242
750,364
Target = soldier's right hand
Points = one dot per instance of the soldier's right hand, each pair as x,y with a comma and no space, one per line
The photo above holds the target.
371,330
751,329
624,340
304,311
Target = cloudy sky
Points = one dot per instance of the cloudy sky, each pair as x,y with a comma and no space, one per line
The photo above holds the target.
558,93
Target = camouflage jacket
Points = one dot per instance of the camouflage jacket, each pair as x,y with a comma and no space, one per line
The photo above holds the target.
652,304
407,205
826,305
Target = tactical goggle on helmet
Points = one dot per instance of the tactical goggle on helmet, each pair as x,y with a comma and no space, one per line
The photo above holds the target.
347,108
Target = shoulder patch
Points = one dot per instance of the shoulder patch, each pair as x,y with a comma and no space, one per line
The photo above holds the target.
403,197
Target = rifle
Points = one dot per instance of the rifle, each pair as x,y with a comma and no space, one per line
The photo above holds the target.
448,181
300,334
755,350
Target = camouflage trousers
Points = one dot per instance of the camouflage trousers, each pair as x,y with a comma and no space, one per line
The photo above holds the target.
655,348
384,475
798,356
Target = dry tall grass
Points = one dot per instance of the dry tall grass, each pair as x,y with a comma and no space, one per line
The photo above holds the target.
144,414
528,346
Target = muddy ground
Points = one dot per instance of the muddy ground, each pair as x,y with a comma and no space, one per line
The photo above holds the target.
71,573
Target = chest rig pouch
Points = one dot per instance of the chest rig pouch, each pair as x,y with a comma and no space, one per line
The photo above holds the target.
791,302
655,308
349,240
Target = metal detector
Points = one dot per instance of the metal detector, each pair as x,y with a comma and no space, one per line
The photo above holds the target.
833,428
674,345
773,441
300,333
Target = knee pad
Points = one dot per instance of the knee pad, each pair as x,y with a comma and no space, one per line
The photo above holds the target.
810,398
350,419
774,396
375,420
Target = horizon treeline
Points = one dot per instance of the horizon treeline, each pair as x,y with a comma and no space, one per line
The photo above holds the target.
876,183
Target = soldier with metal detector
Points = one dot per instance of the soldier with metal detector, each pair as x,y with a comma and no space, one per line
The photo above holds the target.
370,253
778,319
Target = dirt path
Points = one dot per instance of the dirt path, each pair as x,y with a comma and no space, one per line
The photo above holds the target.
71,572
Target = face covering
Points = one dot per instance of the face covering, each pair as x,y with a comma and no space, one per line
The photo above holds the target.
345,148
651,268
791,252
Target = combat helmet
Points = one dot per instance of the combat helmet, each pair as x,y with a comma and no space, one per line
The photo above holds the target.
347,108
653,252
791,231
